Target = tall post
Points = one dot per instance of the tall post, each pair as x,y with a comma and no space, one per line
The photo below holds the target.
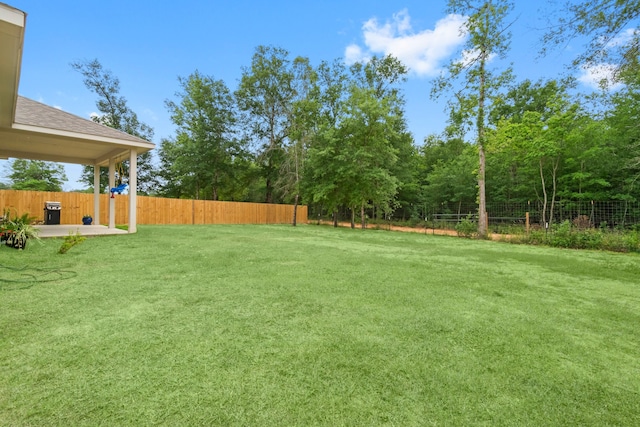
526,224
112,201
96,194
133,186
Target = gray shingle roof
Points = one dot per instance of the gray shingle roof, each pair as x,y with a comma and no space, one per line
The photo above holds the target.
33,113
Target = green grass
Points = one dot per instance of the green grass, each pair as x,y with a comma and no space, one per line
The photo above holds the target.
275,325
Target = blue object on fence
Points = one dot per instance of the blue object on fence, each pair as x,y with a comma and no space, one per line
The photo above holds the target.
119,189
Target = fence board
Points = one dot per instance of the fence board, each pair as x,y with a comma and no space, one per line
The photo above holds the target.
150,210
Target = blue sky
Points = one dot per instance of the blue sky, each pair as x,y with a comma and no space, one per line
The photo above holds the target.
148,44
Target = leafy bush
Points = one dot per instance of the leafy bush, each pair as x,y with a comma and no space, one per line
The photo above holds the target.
466,228
565,235
561,235
621,242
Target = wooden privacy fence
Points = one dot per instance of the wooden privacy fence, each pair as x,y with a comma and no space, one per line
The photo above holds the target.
150,210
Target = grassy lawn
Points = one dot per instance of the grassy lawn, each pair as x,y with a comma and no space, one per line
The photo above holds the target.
275,325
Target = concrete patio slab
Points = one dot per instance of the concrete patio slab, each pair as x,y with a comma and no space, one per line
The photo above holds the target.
83,230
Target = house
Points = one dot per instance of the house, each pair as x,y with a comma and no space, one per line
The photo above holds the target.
32,130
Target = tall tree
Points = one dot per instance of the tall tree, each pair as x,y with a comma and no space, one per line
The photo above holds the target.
325,162
366,133
265,96
36,175
115,113
354,152
487,37
304,123
205,148
384,76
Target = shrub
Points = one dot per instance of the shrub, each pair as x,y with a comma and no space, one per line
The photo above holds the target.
561,235
621,242
466,228
565,235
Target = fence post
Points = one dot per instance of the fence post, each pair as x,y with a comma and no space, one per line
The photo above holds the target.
486,225
526,222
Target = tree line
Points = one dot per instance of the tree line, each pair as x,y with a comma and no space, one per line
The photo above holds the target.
336,137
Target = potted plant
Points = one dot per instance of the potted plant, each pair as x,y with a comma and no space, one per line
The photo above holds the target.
18,230
87,219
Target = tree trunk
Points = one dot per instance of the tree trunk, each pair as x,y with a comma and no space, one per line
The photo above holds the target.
482,214
363,224
353,217
335,219
544,196
269,192
553,194
295,210
482,199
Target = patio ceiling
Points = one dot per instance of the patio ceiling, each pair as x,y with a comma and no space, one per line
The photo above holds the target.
31,130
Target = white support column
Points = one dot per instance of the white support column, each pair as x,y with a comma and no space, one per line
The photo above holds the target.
96,194
112,202
133,193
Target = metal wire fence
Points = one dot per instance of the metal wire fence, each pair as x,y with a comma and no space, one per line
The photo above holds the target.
613,214
582,214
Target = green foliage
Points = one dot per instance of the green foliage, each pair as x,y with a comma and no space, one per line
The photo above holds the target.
602,24
36,175
265,96
18,230
353,158
565,235
205,156
70,241
466,228
115,113
451,178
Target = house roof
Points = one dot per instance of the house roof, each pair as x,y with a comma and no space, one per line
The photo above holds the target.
30,113
32,130
41,132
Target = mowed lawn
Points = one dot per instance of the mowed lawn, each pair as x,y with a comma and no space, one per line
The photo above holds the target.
283,326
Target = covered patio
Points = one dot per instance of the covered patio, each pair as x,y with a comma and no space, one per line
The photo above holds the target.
32,130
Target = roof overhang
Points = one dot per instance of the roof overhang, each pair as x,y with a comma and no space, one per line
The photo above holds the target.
41,132
12,23
38,143
31,130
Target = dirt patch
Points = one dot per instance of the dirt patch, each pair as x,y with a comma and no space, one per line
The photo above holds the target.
434,231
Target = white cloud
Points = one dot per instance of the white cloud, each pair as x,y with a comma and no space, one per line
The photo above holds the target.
468,57
597,75
622,38
423,52
353,53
